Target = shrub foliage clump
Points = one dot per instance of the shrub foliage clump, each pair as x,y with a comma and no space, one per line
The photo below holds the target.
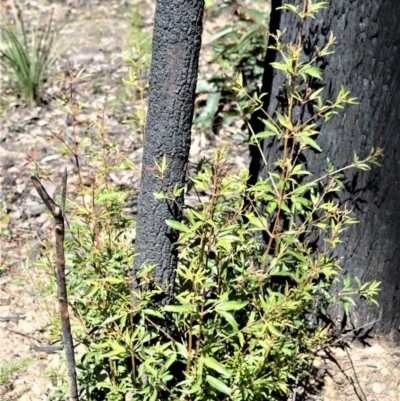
249,289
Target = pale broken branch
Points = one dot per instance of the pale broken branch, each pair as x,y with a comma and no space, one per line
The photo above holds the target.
58,214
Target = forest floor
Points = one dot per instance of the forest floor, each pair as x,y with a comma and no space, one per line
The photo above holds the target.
98,37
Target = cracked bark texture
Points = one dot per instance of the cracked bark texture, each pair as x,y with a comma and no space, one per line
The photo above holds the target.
366,61
173,78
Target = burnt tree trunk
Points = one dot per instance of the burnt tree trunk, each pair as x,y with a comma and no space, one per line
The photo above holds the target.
173,77
366,62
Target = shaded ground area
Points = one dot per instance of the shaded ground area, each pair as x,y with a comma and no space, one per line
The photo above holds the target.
98,38
367,373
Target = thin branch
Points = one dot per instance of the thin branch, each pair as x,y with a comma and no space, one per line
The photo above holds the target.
50,349
12,317
355,375
51,205
58,214
20,333
296,386
64,192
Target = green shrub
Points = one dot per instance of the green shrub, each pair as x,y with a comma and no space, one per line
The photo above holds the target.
244,320
28,55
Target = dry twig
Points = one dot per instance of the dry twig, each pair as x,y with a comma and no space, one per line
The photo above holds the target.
58,214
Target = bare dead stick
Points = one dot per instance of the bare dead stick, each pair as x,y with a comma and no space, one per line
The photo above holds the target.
58,214
356,377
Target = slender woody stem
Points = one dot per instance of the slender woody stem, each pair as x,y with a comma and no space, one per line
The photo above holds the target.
58,214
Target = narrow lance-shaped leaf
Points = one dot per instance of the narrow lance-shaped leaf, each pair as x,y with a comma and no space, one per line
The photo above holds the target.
218,385
232,305
212,363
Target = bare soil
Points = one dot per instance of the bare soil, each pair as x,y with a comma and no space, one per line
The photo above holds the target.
96,39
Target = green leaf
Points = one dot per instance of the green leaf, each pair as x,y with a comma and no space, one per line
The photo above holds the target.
347,281
309,141
264,134
230,319
314,72
281,66
315,94
363,166
166,378
113,280
290,7
182,350
213,364
258,222
178,308
149,368
218,385
348,300
160,195
154,396
273,330
270,126
252,30
284,120
270,208
111,319
177,225
231,305
360,285
222,32
212,103
184,238
285,208
153,313
164,163
117,350
229,237
169,362
297,170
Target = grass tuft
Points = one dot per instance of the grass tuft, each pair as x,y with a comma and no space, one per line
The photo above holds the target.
27,56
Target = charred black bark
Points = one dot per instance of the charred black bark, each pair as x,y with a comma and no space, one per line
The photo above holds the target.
173,77
365,61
